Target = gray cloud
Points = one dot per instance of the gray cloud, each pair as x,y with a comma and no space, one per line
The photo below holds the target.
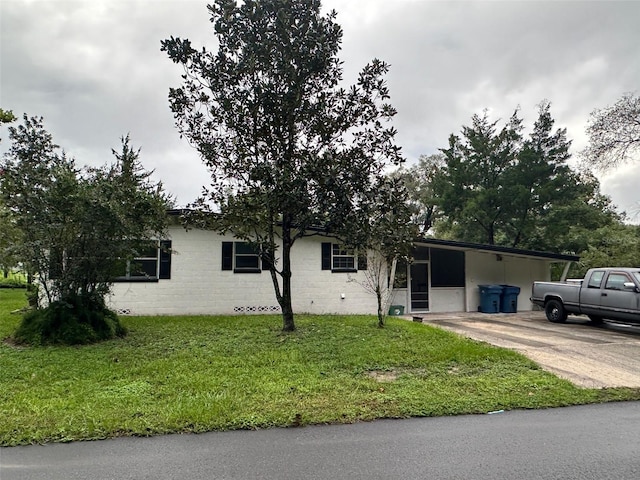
94,70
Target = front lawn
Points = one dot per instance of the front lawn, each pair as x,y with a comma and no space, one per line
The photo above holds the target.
196,374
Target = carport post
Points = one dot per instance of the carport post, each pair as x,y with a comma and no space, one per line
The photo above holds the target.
565,272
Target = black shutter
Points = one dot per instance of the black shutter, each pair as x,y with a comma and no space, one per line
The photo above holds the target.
267,260
165,260
227,255
326,256
362,261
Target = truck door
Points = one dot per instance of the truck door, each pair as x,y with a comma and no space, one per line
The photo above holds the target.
590,293
617,302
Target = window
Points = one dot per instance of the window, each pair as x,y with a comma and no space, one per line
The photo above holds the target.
596,279
447,268
616,281
338,258
342,258
400,280
151,263
241,257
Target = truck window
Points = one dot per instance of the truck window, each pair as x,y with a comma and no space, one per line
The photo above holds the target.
596,279
616,281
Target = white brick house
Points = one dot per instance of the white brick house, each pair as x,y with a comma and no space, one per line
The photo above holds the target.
209,273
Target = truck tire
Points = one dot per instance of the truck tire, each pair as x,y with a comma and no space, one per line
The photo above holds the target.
555,312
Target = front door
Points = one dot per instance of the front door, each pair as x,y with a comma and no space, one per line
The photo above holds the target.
419,287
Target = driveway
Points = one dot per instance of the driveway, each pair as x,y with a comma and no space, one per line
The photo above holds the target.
588,356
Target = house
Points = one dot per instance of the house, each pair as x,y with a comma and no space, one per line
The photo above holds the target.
208,273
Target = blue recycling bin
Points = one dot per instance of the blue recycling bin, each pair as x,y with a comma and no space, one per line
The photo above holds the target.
509,299
490,298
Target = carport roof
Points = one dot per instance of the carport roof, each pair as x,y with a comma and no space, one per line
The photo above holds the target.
497,249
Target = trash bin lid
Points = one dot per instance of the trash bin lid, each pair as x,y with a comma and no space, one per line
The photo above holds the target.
490,288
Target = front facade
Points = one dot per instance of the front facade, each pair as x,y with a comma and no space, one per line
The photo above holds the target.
216,274
208,273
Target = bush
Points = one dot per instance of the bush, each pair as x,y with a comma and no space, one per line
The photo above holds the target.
73,321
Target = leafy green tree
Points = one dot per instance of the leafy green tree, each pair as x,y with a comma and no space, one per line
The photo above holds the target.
471,187
498,187
77,228
418,180
9,234
616,245
6,116
614,134
9,239
387,236
288,148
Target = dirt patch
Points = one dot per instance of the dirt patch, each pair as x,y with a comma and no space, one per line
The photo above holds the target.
383,375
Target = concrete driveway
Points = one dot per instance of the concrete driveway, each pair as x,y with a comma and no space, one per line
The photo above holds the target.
588,356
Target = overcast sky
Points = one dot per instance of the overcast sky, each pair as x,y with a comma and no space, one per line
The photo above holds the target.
93,69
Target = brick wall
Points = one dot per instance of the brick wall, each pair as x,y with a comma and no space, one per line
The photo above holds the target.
198,285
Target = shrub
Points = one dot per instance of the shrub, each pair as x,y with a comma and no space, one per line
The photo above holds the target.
73,321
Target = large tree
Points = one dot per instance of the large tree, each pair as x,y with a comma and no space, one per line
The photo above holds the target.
289,149
471,186
9,234
10,238
500,187
614,134
77,226
421,199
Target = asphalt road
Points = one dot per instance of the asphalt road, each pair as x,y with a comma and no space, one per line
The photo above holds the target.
587,442
589,356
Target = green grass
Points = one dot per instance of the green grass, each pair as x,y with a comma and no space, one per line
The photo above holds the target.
196,374
13,280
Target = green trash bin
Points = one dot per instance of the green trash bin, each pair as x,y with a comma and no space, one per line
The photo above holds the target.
396,310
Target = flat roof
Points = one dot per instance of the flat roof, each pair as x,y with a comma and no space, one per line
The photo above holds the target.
497,249
452,244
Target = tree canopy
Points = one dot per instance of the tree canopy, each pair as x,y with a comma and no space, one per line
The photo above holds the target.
614,134
614,245
9,234
499,187
421,199
289,149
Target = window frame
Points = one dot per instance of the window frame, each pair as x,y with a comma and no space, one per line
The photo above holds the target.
343,259
230,256
162,261
617,274
329,257
595,273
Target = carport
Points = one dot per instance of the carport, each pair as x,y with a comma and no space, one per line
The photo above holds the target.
444,275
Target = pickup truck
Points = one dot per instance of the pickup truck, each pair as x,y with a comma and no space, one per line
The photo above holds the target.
604,293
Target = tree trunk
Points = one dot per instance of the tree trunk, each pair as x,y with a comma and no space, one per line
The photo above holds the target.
288,324
380,308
